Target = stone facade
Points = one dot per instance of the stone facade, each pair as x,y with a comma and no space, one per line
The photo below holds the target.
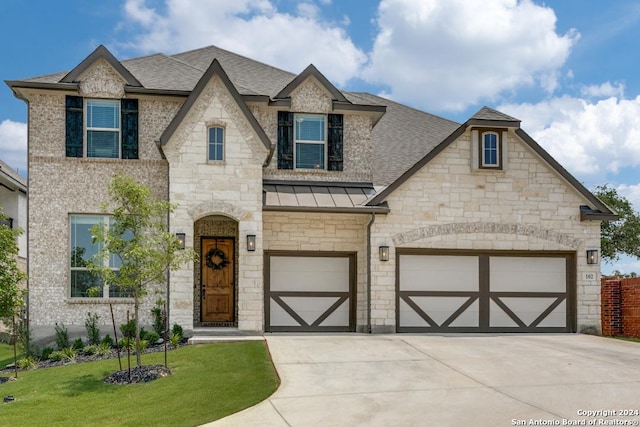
225,188
311,97
50,204
450,205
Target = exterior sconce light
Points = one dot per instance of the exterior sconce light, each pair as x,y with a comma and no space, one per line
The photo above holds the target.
182,238
384,253
592,256
251,242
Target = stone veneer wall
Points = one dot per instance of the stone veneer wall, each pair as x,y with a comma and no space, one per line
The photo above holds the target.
60,187
230,188
449,205
315,232
311,97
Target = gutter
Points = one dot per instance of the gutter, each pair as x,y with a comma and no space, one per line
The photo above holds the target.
373,219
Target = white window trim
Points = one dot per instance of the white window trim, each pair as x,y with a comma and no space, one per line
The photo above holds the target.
302,141
87,128
483,150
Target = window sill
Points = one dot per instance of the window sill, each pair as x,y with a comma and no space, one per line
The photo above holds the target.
99,300
216,162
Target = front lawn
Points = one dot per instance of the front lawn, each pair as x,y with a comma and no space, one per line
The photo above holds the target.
207,382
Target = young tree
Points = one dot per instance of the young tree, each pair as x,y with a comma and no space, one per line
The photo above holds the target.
11,294
138,235
623,235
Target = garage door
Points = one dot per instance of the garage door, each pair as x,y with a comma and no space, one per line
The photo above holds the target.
310,292
485,292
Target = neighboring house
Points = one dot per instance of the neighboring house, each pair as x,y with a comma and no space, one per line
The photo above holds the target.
312,209
13,199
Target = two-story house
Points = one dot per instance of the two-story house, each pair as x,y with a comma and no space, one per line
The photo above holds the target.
311,208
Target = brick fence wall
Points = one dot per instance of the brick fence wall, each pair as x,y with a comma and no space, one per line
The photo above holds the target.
621,307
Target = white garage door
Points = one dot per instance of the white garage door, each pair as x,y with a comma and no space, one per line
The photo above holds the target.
484,292
310,292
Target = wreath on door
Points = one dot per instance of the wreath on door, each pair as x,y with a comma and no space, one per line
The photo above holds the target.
212,255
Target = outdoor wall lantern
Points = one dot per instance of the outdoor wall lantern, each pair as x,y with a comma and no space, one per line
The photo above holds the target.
592,256
384,253
251,242
182,238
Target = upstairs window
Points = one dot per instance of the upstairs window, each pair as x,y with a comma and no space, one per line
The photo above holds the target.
103,129
310,141
216,143
490,150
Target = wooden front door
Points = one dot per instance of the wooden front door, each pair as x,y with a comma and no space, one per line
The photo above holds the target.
218,274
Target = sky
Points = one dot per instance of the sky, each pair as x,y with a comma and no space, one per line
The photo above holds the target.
568,69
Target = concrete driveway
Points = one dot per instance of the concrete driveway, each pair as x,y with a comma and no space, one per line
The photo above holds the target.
461,380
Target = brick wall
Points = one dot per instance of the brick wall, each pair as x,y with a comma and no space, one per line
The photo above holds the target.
621,307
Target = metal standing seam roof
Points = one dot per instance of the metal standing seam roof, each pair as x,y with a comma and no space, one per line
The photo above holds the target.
315,195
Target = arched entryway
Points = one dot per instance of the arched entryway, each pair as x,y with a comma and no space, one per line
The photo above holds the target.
216,271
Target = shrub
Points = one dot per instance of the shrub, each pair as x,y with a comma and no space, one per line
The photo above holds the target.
28,362
175,339
62,336
104,349
69,354
90,350
177,330
107,341
46,352
158,321
128,329
143,345
78,344
25,340
127,342
143,332
56,356
93,332
151,337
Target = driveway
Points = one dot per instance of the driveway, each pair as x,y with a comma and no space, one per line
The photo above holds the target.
461,380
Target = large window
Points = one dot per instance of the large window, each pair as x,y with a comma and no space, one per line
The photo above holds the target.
83,249
310,141
490,150
103,128
216,143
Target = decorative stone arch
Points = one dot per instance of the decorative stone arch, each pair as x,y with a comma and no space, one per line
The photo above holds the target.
218,207
489,228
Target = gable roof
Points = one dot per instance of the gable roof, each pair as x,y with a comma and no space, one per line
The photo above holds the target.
310,71
101,52
215,69
489,117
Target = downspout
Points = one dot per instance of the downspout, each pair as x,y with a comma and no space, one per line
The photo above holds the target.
168,297
373,219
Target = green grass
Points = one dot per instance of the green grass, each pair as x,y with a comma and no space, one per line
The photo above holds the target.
207,382
628,339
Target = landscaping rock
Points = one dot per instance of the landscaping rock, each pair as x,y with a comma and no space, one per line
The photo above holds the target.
139,374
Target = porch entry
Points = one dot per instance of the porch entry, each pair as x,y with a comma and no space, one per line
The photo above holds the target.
217,259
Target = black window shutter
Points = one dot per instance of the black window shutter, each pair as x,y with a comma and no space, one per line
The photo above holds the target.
335,137
73,126
285,140
129,111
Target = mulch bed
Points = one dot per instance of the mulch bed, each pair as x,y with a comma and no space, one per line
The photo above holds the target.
139,374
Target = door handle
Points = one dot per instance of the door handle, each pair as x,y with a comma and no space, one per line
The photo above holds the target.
204,294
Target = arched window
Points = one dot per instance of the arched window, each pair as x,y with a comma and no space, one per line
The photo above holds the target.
216,143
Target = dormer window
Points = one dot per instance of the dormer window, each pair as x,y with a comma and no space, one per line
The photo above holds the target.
310,141
490,149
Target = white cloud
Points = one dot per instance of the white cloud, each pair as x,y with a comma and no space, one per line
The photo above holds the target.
590,139
13,144
604,90
631,193
252,28
450,54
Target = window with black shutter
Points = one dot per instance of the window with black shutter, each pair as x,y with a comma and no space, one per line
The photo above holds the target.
129,131
74,124
334,140
285,140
